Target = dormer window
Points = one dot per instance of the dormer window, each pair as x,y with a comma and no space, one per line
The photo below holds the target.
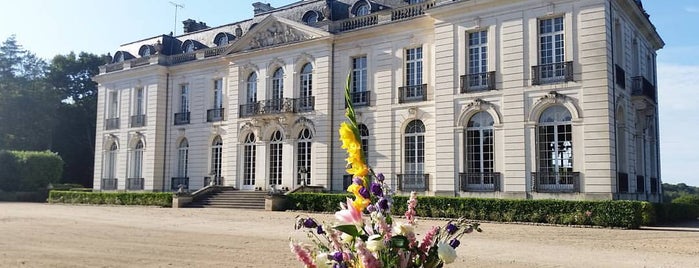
361,8
146,50
188,46
311,18
121,56
222,39
412,2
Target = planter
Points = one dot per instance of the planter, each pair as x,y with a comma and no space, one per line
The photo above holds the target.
275,202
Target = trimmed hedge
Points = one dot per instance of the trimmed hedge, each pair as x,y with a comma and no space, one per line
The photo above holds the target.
95,198
27,171
626,214
674,212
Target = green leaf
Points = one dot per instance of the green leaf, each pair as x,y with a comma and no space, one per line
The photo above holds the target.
348,229
399,241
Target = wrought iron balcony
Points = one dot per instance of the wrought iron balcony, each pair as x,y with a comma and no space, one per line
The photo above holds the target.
134,184
413,182
277,106
111,123
179,182
477,82
360,98
214,115
249,109
306,104
137,120
182,118
412,93
552,73
109,184
620,76
480,181
622,182
551,182
642,87
218,181
640,184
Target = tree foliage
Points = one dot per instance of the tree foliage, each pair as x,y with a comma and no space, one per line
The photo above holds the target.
674,191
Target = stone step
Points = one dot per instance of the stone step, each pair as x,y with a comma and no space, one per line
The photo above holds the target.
228,198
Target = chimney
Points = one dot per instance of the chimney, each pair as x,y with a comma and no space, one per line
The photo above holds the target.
260,7
191,25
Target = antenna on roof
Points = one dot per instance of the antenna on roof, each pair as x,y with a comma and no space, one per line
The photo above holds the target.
176,5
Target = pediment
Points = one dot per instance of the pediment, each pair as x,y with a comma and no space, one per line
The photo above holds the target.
274,31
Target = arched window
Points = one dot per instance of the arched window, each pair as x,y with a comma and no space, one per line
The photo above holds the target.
135,179
362,8
275,158
221,39
252,88
311,18
216,152
249,155
182,158
278,84
306,88
412,2
188,46
303,156
555,149
413,178
146,50
364,134
111,161
479,152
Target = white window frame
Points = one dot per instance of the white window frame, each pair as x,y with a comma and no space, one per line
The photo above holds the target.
113,111
304,146
182,158
414,66
479,149
277,90
551,48
414,147
251,85
218,93
249,159
216,156
276,147
184,98
136,166
477,59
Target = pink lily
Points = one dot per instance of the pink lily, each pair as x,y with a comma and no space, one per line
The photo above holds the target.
349,214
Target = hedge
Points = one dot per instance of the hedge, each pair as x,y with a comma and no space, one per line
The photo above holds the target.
25,171
111,198
626,214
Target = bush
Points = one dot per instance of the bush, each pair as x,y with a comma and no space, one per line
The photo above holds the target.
627,214
29,171
111,198
687,199
673,212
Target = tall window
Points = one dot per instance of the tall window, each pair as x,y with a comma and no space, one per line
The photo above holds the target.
278,84
139,110
306,87
359,81
216,151
414,144
249,155
184,98
413,66
182,158
137,161
479,147
113,105
555,146
303,155
252,88
364,134
218,93
478,59
275,159
551,48
110,161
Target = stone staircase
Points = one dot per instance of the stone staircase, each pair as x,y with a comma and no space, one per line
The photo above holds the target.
225,197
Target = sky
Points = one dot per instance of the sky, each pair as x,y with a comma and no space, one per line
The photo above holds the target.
51,27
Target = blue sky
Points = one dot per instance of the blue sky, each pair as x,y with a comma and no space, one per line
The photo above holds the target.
50,27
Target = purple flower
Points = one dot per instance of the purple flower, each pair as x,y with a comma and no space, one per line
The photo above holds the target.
451,228
320,230
310,223
371,208
376,189
337,256
383,203
454,243
380,177
358,181
364,192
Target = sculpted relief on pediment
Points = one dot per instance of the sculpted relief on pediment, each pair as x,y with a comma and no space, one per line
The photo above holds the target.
276,34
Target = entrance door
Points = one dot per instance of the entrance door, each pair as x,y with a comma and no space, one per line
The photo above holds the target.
249,155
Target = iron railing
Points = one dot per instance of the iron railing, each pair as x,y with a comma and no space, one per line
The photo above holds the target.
216,181
480,181
182,118
214,115
642,87
134,184
179,182
277,106
109,184
552,73
111,123
360,98
413,182
137,120
552,182
640,184
622,182
249,109
477,82
305,104
412,93
620,76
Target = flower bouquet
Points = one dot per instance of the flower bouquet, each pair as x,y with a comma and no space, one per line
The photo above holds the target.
377,241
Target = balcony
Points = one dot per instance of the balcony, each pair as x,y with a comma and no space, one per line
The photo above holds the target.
360,98
548,182
480,181
177,183
620,76
477,82
137,120
552,73
412,93
218,181
622,182
109,184
642,87
214,115
111,123
306,104
182,118
386,16
134,184
277,106
413,182
640,184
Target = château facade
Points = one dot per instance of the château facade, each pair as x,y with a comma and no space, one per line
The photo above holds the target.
494,98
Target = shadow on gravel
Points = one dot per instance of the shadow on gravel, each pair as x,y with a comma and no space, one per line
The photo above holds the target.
685,226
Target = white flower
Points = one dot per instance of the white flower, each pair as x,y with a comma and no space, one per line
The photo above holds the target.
322,260
403,229
374,243
346,238
446,253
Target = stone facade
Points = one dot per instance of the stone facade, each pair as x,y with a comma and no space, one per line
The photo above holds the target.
507,99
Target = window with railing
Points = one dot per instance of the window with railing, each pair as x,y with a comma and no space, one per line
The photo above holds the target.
480,181
555,151
642,87
303,156
275,158
364,135
182,117
477,74
112,121
249,159
358,92
110,162
479,153
182,158
216,113
414,157
135,167
413,182
138,119
216,159
305,101
552,66
414,89
110,184
134,184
